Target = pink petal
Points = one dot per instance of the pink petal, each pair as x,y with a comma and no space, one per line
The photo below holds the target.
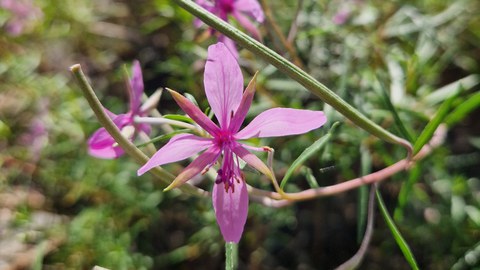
248,25
242,110
206,5
230,44
178,148
203,160
223,82
110,114
101,144
231,209
282,122
195,113
136,87
252,160
250,7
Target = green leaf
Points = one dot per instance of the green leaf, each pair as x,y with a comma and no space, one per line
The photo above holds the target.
405,191
312,181
163,137
178,117
398,122
428,131
402,244
452,89
191,98
307,153
471,103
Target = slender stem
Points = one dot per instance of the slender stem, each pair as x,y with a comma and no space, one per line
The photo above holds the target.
284,198
314,86
231,255
113,130
294,27
278,32
355,261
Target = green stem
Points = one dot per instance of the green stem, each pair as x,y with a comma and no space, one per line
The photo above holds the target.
231,255
317,88
113,130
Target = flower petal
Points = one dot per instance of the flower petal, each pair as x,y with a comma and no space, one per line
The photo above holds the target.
252,160
195,113
101,144
231,209
223,82
136,87
245,104
194,168
248,25
178,148
250,7
282,122
230,44
206,5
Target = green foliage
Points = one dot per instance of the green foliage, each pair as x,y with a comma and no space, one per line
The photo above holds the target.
404,64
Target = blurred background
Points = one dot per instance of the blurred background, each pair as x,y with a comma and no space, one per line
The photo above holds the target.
62,209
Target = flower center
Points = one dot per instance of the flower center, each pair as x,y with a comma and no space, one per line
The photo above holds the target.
224,139
230,171
225,6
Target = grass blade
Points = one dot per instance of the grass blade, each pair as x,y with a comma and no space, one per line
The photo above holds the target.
398,122
402,244
428,131
355,261
163,137
366,161
307,153
470,104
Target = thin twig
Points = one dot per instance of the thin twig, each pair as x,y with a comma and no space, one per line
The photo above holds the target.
294,27
381,175
355,261
278,32
126,145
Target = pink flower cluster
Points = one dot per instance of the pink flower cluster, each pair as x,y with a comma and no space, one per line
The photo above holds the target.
23,12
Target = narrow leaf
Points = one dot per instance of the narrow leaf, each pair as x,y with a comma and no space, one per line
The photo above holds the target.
355,261
471,103
403,196
312,181
427,133
366,161
402,244
178,117
164,137
398,122
452,89
307,153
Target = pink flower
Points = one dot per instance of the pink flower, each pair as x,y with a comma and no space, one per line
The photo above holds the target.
240,10
23,12
223,86
101,144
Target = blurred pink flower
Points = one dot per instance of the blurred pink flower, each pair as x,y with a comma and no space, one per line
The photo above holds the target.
240,10
101,144
223,82
341,16
23,12
36,138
